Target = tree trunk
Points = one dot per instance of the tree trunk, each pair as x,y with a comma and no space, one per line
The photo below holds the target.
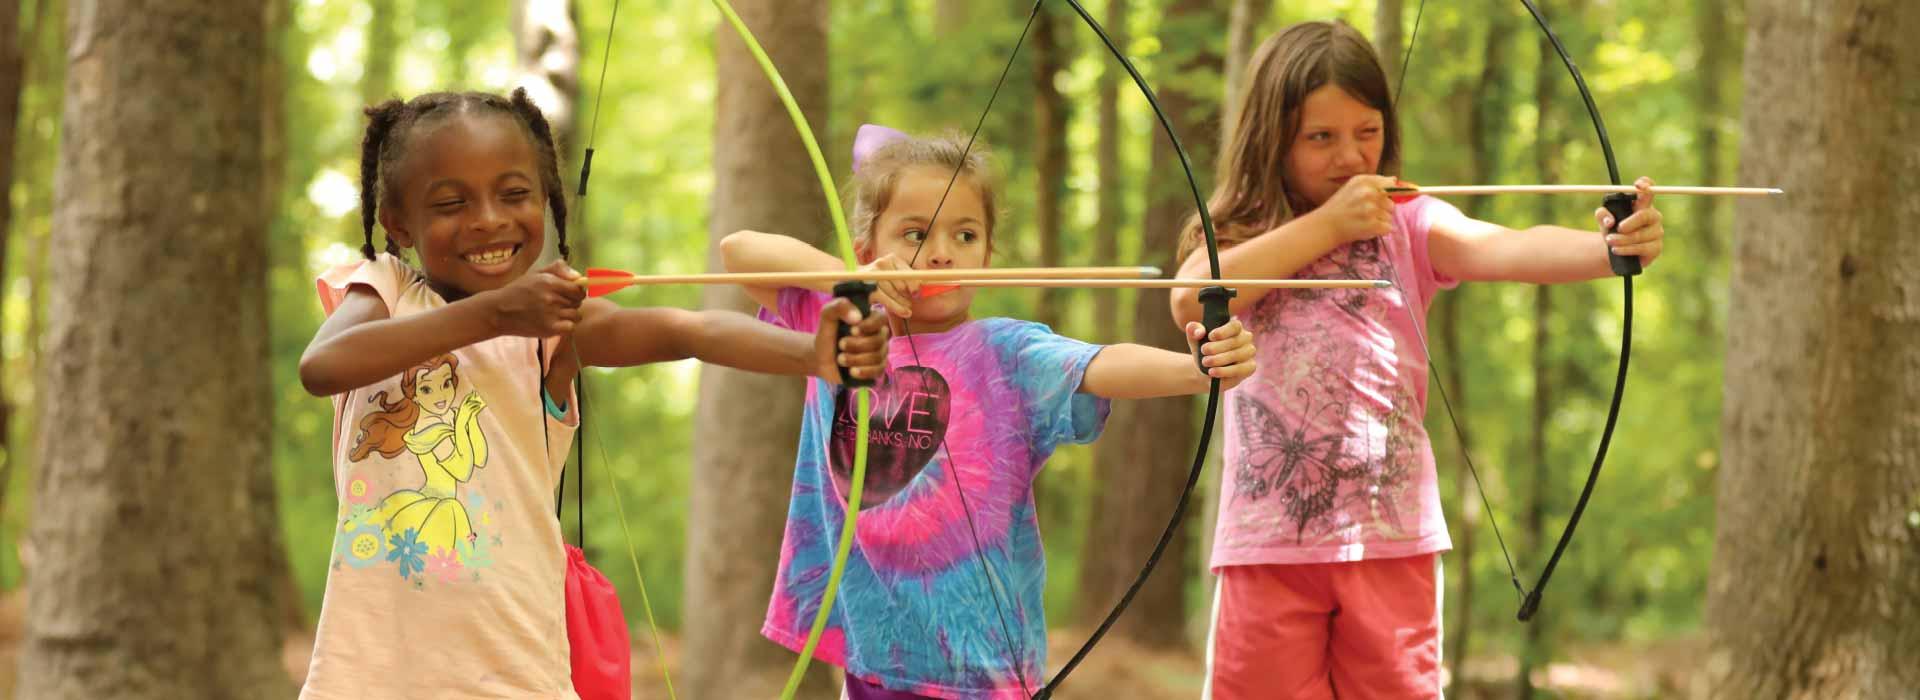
13,73
547,51
1148,446
1460,633
1816,512
745,423
273,165
1242,20
951,14
1106,243
1549,142
153,578
376,76
1050,129
1387,33
1714,28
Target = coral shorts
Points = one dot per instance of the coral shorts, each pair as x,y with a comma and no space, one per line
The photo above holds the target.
1363,629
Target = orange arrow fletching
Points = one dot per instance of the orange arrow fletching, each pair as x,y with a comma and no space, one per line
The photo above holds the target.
934,290
616,280
1403,192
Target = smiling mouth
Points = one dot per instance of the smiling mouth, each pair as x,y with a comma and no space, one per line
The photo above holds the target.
492,256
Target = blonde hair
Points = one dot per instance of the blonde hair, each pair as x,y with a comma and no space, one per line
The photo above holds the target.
879,174
1250,194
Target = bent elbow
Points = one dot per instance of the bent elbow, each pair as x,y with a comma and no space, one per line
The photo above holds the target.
1185,306
315,378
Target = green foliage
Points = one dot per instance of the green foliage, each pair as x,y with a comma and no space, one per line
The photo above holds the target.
1638,567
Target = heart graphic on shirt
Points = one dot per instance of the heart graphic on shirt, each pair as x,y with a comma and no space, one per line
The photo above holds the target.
909,422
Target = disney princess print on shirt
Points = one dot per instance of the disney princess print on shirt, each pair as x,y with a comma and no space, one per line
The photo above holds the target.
428,530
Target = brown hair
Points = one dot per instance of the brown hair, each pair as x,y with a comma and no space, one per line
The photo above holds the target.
385,430
873,186
1250,194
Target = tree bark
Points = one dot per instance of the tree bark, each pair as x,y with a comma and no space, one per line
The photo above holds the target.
1242,19
1148,446
1387,33
1816,570
13,82
547,51
376,76
1050,129
745,423
1549,142
153,577
1106,245
1459,634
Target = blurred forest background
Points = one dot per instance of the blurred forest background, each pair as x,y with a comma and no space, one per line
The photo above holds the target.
690,145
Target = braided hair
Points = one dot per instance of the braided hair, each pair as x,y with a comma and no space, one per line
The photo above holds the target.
391,124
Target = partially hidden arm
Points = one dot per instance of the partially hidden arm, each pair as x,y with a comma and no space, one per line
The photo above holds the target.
752,251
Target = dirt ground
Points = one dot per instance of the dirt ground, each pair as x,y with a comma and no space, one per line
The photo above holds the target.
1117,670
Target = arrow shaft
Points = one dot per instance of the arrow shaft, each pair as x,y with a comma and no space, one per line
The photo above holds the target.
1027,273
1586,189
1173,283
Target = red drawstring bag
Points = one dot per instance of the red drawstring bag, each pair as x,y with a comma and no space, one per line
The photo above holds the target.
597,631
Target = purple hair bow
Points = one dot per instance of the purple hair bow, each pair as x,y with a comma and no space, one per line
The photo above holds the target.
870,139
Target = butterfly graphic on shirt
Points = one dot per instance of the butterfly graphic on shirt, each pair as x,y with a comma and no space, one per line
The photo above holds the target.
1278,458
1365,259
1388,477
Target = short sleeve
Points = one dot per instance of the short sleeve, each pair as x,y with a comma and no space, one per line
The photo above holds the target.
797,309
386,275
1048,369
1417,218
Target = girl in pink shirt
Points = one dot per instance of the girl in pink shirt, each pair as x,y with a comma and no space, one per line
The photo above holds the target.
1330,523
451,383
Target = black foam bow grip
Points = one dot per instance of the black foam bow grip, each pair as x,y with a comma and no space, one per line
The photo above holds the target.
1620,206
1213,314
861,294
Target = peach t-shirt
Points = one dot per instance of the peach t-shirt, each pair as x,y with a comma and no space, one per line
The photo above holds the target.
447,566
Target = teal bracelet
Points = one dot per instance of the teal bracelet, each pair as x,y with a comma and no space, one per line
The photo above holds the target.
557,410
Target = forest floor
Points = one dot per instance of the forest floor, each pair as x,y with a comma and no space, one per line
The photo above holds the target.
1118,670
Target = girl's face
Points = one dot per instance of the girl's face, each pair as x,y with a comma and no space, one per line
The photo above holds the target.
469,201
959,239
1339,137
435,390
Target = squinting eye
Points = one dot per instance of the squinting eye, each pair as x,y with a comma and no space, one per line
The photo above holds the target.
969,236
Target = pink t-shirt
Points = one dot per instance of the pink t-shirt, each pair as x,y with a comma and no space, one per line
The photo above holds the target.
447,569
1325,458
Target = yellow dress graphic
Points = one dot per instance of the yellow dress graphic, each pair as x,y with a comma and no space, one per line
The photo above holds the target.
428,524
448,454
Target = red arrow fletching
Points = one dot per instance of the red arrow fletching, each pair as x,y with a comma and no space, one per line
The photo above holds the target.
616,280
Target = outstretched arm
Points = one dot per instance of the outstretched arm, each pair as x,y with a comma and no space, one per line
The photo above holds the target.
615,337
1469,249
1129,371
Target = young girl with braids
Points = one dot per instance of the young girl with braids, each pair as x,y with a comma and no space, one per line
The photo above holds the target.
451,384
1328,540
941,597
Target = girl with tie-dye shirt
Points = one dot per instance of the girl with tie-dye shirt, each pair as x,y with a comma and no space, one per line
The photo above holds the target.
941,596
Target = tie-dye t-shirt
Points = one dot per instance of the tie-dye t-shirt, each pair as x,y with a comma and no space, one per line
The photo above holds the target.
987,401
1326,459
446,578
